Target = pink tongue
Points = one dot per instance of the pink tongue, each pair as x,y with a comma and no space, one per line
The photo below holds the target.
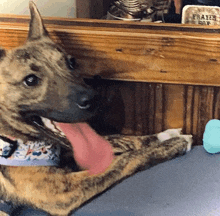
91,151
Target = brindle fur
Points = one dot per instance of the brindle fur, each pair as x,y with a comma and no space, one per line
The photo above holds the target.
60,190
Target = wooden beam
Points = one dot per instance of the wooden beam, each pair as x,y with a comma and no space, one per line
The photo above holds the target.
162,53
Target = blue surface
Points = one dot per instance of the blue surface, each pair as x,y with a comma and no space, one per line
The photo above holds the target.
186,186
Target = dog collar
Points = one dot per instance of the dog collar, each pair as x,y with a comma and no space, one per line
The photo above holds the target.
18,153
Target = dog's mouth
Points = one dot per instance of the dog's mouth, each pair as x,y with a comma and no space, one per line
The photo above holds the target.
47,126
91,151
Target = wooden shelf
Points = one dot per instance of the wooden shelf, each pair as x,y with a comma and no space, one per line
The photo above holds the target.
174,69
164,53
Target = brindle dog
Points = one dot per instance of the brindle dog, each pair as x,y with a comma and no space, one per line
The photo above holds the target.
39,80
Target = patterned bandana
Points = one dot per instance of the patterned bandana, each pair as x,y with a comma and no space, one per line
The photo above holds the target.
17,153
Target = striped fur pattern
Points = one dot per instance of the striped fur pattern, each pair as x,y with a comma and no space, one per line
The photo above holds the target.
23,97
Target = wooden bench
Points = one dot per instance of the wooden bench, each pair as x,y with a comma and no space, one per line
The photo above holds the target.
165,75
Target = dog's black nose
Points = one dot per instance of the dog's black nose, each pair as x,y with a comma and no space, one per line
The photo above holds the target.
87,100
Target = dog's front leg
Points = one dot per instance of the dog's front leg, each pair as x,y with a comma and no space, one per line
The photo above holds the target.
58,193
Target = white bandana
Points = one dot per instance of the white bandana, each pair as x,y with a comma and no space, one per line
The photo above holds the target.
28,154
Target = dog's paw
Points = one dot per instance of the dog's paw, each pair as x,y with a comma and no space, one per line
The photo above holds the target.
168,134
171,133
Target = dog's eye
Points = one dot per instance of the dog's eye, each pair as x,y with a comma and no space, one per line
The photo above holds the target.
31,80
71,63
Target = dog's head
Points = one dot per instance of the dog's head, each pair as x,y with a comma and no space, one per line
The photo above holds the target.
39,80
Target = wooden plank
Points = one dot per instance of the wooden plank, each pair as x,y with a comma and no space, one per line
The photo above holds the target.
159,108
216,105
206,98
188,109
174,106
161,53
140,105
201,105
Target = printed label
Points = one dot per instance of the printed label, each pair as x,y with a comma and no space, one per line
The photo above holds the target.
203,15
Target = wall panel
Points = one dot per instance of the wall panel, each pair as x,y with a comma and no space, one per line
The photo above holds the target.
150,108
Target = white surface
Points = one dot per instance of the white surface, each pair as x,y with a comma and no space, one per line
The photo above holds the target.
62,8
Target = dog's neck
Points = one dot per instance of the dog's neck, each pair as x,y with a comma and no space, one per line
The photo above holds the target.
32,153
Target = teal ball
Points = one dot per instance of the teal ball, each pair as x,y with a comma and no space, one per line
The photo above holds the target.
211,136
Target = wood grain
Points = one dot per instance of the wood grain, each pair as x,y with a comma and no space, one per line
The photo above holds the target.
131,51
147,108
173,70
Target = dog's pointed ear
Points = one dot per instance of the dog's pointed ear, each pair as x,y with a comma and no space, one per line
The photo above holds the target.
37,29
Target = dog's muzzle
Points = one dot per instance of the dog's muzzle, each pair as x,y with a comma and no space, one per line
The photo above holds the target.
88,100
